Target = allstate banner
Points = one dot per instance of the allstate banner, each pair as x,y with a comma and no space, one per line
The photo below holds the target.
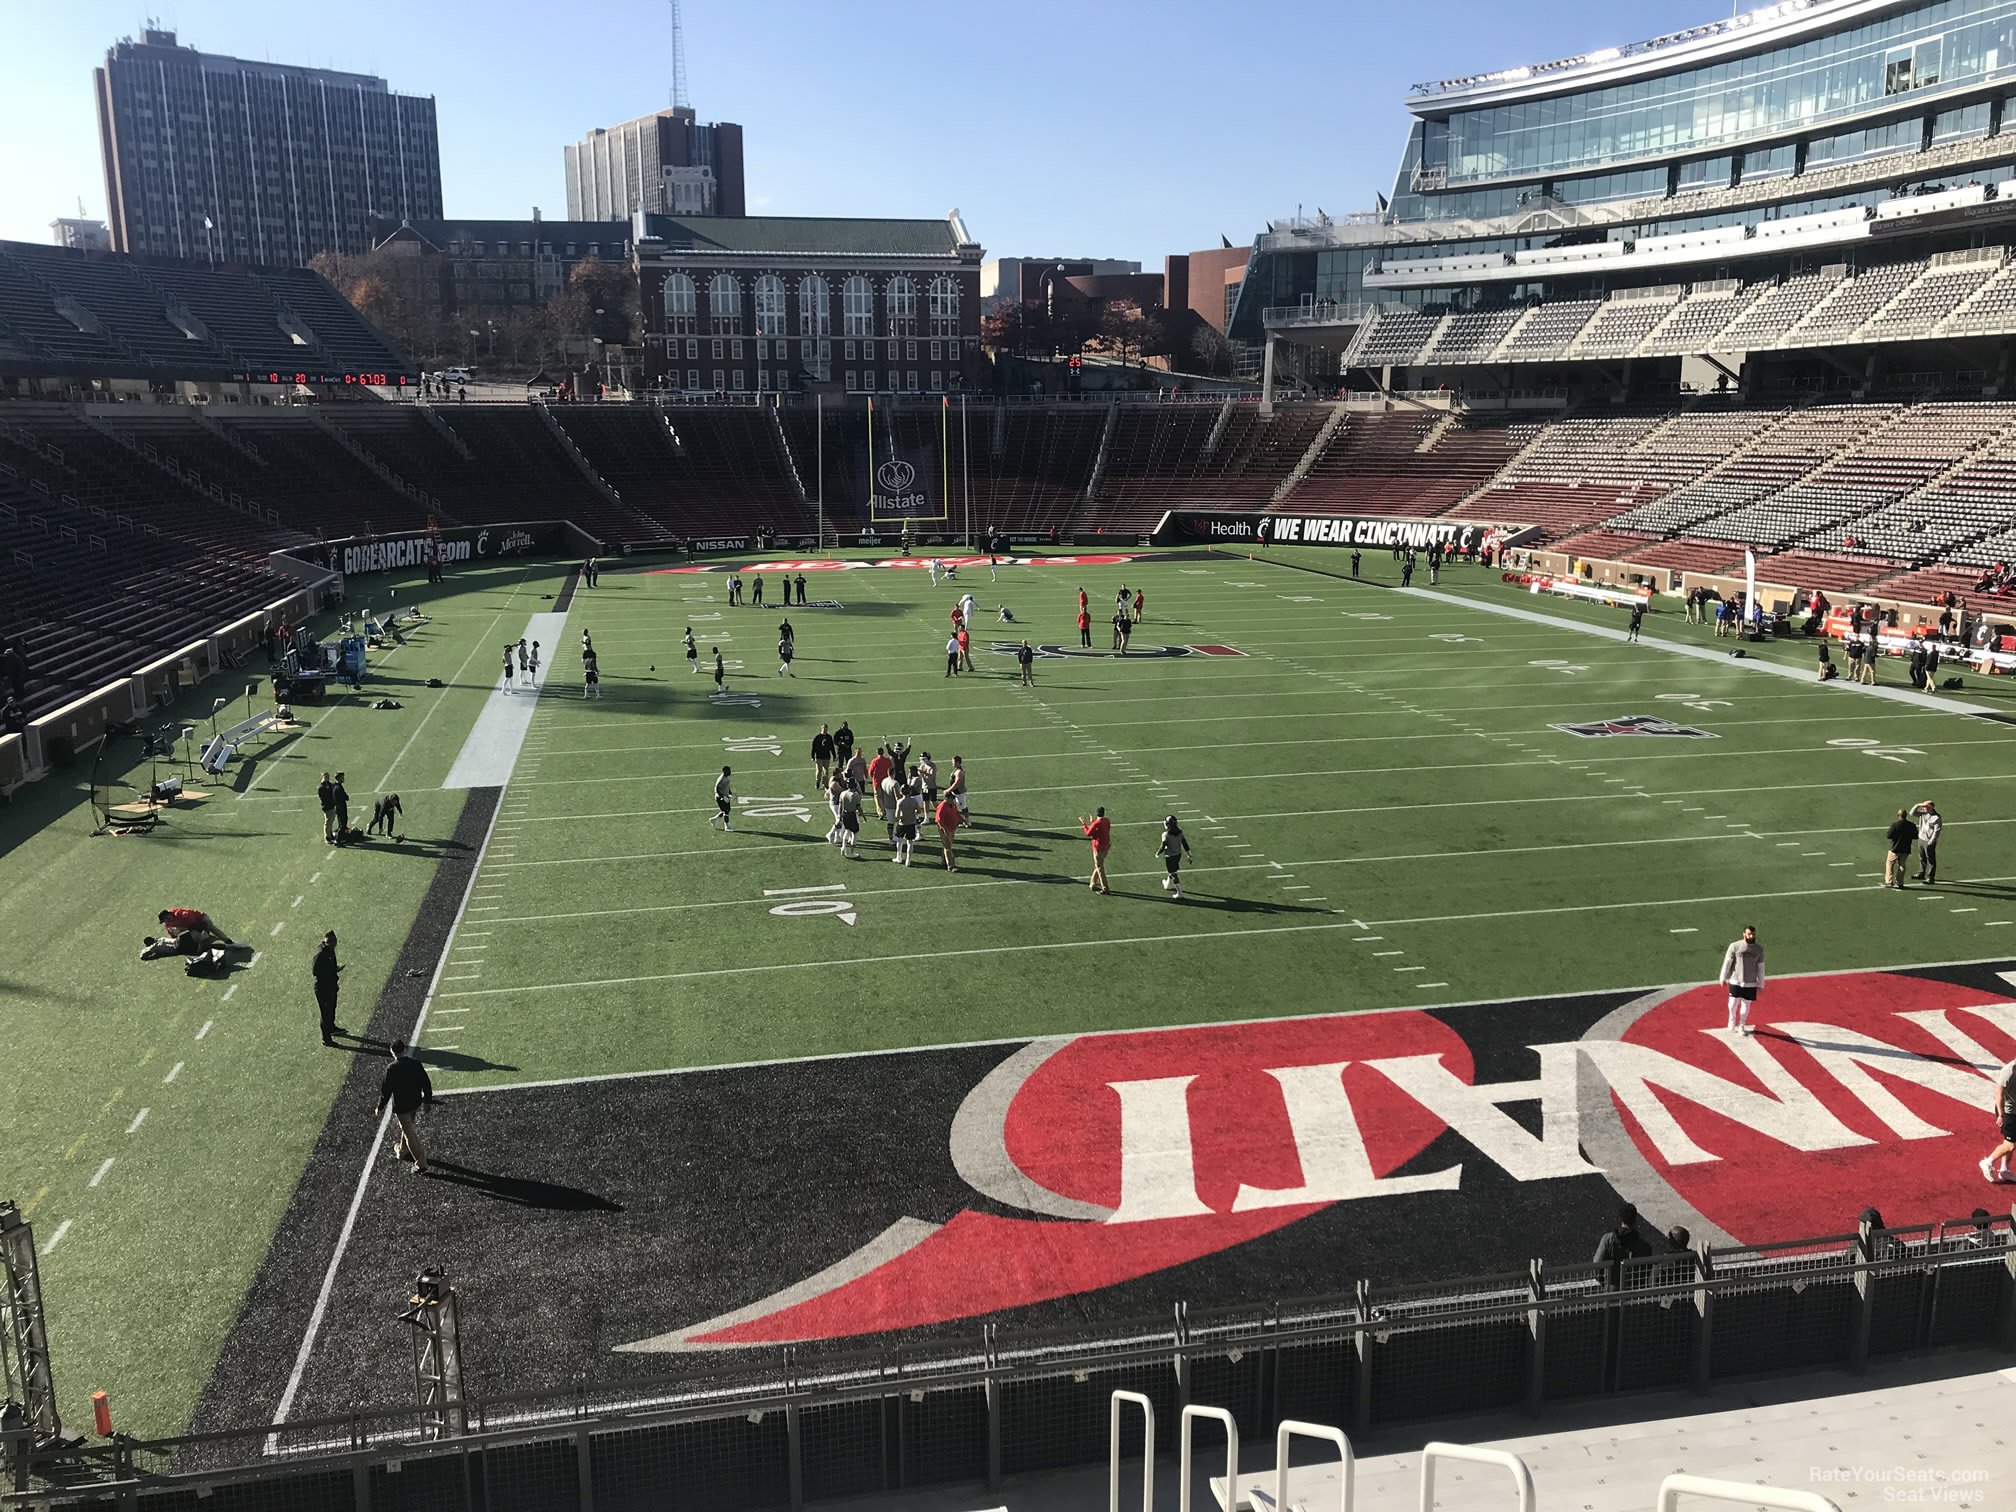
903,474
1331,530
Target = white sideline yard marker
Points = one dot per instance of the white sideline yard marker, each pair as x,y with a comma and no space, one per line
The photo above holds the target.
138,1119
314,879
57,1237
793,892
227,993
1683,931
298,901
205,1029
100,1176
173,1072
280,926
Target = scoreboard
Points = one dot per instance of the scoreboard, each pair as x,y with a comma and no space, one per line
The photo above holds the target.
352,379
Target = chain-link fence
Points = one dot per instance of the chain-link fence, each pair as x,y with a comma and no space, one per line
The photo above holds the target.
830,1423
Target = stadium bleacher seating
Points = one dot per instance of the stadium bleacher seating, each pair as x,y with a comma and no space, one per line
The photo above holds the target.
123,526
65,312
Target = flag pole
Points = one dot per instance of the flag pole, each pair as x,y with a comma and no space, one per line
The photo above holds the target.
819,425
966,471
945,452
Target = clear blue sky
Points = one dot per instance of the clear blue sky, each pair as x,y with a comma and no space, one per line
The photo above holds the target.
1104,128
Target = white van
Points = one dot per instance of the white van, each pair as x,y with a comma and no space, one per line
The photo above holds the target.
453,375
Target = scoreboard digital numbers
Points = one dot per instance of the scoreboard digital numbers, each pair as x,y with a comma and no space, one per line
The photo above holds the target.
373,380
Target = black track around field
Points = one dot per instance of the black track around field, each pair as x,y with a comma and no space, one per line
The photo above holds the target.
259,1352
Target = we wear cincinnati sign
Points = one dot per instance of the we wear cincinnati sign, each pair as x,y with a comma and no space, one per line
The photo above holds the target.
1323,530
391,554
1416,1144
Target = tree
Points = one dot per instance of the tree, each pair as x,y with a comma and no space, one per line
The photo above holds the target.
1020,328
1212,351
606,295
1127,331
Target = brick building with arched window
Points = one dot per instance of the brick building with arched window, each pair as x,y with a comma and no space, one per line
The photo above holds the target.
770,304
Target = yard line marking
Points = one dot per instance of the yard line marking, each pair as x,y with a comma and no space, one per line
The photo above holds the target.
1425,986
1410,968
1367,939
255,959
314,879
100,1174
301,898
227,993
1996,923
1808,855
1683,931
173,1072
1840,863
75,1145
57,1237
990,950
444,1047
112,1101
473,976
1384,952
280,926
1966,910
205,1029
787,892
28,1207
1785,844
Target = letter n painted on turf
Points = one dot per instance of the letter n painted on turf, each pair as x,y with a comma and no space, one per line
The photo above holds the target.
1476,1113
1335,1165
1158,1164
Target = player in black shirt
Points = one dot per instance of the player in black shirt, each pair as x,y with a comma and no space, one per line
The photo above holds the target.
843,744
822,756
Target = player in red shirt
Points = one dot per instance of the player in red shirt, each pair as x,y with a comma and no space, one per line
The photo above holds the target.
1082,601
949,820
881,766
965,650
179,921
1140,604
1084,623
1099,830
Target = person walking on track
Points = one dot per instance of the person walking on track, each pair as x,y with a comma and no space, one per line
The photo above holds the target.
407,1087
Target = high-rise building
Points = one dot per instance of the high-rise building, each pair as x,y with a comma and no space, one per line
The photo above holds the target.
84,235
239,161
667,163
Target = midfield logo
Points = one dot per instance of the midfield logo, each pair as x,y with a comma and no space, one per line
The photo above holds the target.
1100,1159
1636,724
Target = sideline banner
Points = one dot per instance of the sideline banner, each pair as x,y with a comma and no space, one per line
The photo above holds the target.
366,554
1187,528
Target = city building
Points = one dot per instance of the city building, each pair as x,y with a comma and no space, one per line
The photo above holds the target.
1683,208
230,160
1012,280
1207,284
776,303
481,268
83,235
666,163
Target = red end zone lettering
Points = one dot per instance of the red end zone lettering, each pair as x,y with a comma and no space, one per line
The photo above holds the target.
1216,650
1096,1161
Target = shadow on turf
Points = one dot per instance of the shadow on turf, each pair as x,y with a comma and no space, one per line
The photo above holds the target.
522,1191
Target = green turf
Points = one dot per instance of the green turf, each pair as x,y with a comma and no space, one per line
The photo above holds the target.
1357,775
143,1285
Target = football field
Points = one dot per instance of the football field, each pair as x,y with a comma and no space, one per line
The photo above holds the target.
1366,762
706,1090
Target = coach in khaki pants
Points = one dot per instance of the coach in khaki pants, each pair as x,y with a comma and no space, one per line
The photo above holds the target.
406,1086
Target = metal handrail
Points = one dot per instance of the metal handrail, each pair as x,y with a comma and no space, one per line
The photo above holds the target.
1290,1429
1737,1494
1184,1446
1522,1478
1147,1451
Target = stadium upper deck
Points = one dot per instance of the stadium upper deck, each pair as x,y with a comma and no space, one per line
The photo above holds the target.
1811,134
